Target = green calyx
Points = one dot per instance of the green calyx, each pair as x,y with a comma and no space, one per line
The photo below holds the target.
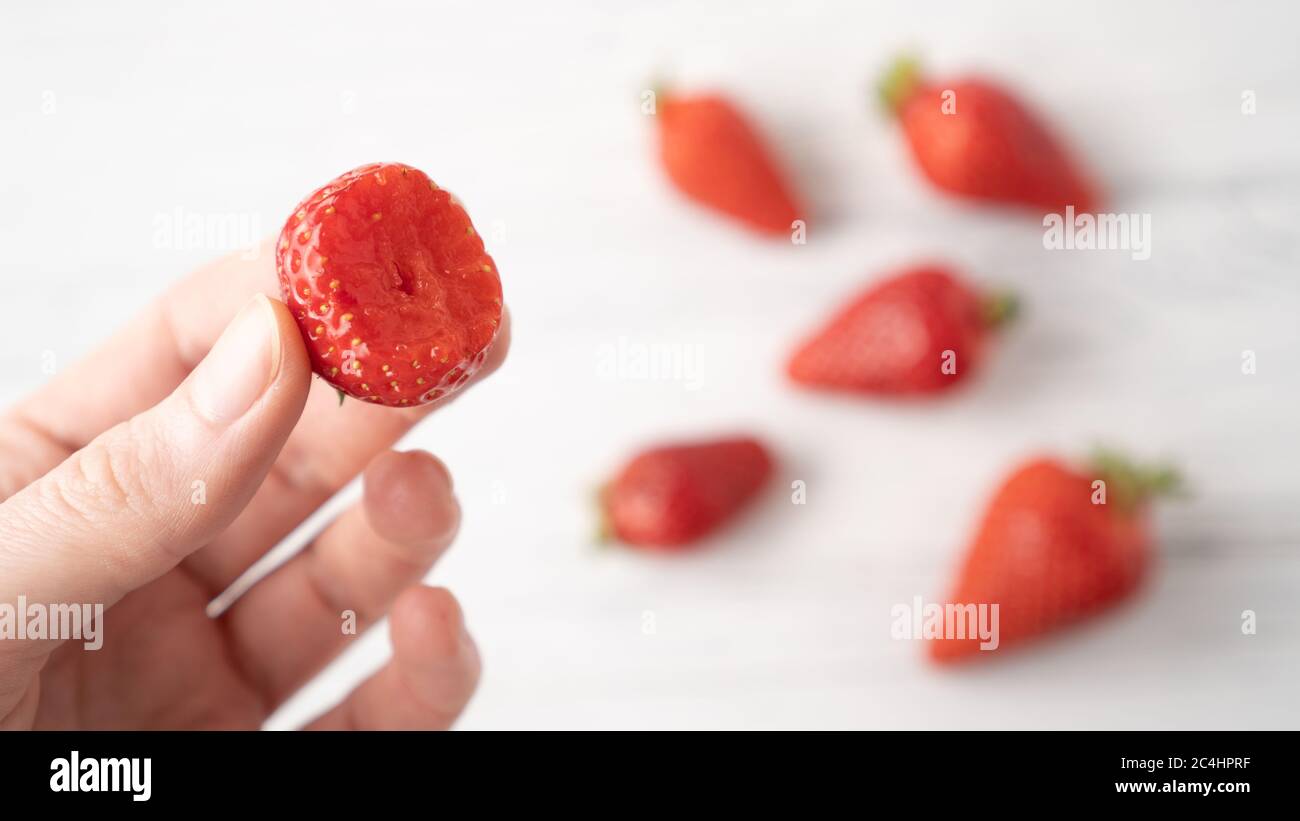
998,308
342,396
660,91
604,531
1132,485
899,82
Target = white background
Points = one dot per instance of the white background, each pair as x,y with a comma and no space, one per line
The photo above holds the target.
530,113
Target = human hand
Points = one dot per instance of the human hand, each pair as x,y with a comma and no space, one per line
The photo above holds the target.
98,477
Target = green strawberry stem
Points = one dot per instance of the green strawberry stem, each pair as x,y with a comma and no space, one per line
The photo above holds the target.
661,90
604,534
899,82
999,308
1133,485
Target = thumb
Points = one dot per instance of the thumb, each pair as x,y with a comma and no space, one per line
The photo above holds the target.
145,494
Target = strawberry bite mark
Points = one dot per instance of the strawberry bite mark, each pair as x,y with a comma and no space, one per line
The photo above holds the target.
396,298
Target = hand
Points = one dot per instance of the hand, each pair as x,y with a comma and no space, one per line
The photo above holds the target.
99,474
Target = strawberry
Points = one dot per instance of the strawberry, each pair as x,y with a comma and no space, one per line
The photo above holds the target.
396,298
669,496
716,158
1053,550
974,139
917,333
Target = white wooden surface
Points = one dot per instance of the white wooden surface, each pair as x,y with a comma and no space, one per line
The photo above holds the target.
530,113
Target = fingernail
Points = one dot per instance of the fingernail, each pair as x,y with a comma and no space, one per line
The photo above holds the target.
242,364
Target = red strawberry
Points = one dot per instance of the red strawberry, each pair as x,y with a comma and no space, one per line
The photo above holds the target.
396,298
1049,554
713,155
672,495
916,333
979,142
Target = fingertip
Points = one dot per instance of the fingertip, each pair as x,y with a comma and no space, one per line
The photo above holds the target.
398,466
409,498
294,365
428,632
432,676
427,463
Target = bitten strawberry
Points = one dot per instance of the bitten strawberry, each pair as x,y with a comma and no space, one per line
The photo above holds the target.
396,298
670,496
974,139
714,156
917,333
1054,549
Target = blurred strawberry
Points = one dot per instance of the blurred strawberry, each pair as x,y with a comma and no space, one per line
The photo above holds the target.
714,156
974,139
672,495
916,333
1053,549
